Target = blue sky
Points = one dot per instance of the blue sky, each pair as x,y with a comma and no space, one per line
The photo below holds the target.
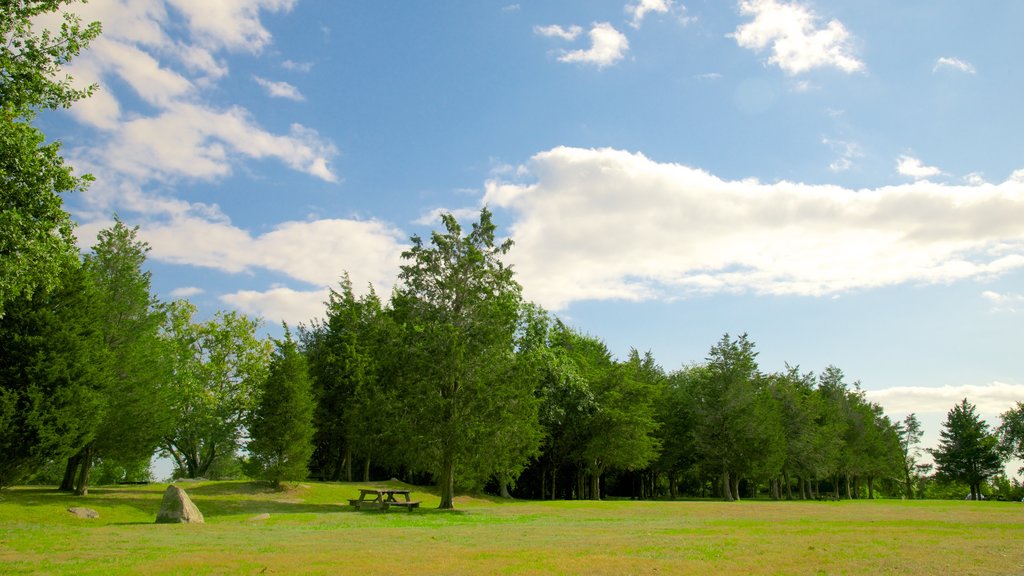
843,181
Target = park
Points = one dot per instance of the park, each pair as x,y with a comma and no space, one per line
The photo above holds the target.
310,529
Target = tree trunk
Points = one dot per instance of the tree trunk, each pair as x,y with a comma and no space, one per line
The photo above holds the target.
871,488
366,469
68,483
82,485
849,494
503,491
447,481
345,465
595,486
789,486
736,487
726,487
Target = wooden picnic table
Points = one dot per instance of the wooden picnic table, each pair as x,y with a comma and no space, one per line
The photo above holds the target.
382,498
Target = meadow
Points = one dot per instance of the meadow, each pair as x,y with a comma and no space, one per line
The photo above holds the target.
308,529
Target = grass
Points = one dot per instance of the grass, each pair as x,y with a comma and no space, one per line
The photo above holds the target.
310,531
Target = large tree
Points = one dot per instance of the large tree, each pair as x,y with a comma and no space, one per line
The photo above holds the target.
968,452
281,427
129,319
458,304
36,239
217,366
53,362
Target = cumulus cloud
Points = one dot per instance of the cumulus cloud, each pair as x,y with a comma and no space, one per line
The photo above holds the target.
280,303
555,31
181,135
609,224
639,10
607,46
279,89
798,44
910,166
991,399
953,64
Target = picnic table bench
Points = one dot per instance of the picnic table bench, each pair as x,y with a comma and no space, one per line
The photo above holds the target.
382,499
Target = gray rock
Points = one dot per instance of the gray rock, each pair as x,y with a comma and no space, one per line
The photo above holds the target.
84,512
177,508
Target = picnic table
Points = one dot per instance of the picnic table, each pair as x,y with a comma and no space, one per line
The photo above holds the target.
382,498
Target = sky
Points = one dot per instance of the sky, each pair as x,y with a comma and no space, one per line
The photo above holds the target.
842,181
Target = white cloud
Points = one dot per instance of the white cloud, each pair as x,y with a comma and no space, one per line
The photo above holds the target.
910,166
991,399
955,64
555,31
433,217
181,136
297,66
1004,302
186,292
1017,175
607,46
639,10
280,304
230,24
197,142
847,153
608,224
797,43
279,89
314,252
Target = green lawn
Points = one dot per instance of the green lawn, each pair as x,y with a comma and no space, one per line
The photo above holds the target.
309,531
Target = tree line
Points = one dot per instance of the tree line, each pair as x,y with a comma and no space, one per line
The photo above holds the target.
455,379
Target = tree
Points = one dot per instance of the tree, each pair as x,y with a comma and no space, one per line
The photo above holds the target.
36,239
735,430
129,319
281,427
967,451
910,434
344,353
458,305
53,364
217,366
1011,433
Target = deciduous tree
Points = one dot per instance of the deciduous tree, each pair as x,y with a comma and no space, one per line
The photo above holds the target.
217,366
36,239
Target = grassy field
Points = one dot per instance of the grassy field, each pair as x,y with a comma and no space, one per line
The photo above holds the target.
309,531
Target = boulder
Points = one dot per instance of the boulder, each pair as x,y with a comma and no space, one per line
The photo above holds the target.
84,512
177,508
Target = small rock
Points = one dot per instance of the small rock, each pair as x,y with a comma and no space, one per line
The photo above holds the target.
177,508
84,512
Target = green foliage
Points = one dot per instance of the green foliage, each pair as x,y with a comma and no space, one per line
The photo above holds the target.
457,308
217,367
53,366
128,318
346,354
281,427
36,240
1011,433
967,451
